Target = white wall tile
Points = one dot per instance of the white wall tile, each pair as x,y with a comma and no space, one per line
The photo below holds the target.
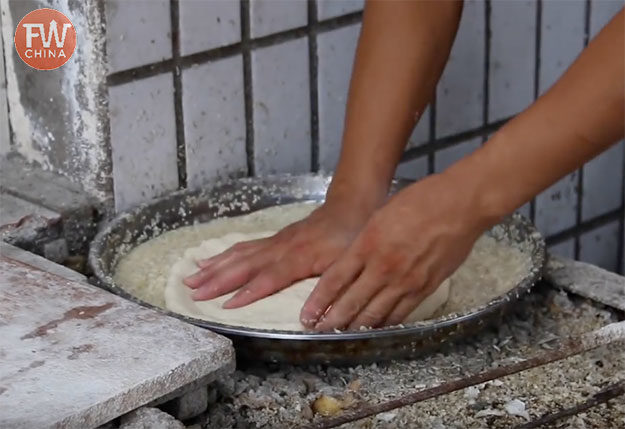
460,92
603,183
601,11
525,210
208,24
331,8
556,207
421,133
143,140
414,169
138,32
562,39
565,249
214,120
273,16
336,54
600,246
512,57
446,157
281,108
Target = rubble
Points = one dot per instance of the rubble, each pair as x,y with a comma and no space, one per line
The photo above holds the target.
149,418
541,318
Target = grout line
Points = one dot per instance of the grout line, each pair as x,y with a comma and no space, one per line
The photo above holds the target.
445,142
580,176
620,251
621,238
486,89
248,87
187,61
589,225
313,64
431,140
537,53
181,149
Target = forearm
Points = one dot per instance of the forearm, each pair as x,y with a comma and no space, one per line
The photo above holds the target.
579,117
401,53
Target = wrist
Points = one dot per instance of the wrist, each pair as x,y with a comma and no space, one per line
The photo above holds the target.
472,184
355,199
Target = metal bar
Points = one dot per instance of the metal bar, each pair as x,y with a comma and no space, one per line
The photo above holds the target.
611,333
610,392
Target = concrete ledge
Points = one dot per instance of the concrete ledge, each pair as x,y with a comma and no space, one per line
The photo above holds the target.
38,207
587,280
76,356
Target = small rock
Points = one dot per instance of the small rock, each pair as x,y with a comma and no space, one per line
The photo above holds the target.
471,393
386,417
516,408
225,386
149,418
490,412
355,385
327,405
189,405
56,250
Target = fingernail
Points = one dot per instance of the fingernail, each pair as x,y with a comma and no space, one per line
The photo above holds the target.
196,294
308,322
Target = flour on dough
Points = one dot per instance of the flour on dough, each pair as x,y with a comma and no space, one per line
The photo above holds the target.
279,311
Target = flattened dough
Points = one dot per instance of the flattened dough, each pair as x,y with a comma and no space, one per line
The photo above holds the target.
279,311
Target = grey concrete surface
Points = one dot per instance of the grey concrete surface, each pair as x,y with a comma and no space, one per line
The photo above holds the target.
75,356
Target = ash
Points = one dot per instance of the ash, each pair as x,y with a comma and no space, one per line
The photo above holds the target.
282,396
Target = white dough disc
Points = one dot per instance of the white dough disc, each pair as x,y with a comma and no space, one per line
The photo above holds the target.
279,311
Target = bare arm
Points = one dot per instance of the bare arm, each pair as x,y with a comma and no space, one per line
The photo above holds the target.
578,118
402,51
423,234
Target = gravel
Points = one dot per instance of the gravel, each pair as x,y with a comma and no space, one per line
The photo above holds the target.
284,396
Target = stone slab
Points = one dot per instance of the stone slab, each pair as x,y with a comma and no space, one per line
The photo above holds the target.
14,209
76,356
39,262
29,188
587,280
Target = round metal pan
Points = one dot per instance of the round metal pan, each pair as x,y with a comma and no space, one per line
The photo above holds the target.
240,196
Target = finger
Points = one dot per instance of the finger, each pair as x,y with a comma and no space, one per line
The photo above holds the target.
279,275
409,304
331,284
403,308
230,257
231,277
378,309
241,248
355,297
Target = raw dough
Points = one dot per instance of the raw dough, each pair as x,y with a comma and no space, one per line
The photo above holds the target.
279,311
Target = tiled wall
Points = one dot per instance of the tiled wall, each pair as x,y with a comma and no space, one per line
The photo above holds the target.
214,88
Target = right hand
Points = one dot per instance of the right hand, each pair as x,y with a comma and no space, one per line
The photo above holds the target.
262,267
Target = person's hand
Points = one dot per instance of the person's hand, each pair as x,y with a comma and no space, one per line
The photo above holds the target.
404,252
264,266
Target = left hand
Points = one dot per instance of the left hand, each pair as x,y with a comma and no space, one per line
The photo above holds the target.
404,252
